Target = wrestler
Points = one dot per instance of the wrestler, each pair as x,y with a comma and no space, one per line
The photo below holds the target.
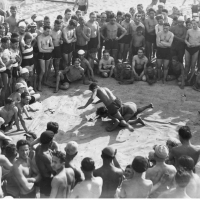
124,42
111,40
56,35
178,45
139,65
112,103
69,37
82,6
9,113
176,72
106,65
70,74
164,41
46,47
192,41
151,74
150,37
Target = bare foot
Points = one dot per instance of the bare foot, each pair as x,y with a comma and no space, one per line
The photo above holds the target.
141,121
130,128
151,105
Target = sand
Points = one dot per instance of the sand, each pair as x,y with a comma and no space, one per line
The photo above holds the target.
162,122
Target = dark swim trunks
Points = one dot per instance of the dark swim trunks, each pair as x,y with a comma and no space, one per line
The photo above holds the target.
192,50
163,53
67,48
111,44
150,38
93,43
44,56
82,8
114,107
57,53
125,40
30,195
8,72
45,186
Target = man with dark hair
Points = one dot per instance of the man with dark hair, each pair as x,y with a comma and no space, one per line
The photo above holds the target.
8,113
45,45
91,187
140,9
23,170
137,186
151,73
164,41
192,189
13,19
56,35
112,103
111,175
182,178
67,17
59,182
43,158
186,147
106,65
109,34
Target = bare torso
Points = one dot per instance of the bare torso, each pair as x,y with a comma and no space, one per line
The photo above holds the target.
194,36
7,115
56,37
94,26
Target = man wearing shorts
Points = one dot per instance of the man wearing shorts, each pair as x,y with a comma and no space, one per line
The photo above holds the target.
192,41
164,41
111,40
56,35
69,37
46,47
112,103
82,6
150,35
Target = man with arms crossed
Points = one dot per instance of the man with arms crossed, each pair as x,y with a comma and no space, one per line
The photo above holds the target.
91,187
45,46
23,169
111,39
164,41
192,41
112,103
59,183
56,35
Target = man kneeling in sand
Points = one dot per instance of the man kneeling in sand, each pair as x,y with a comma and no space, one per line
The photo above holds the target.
112,103
129,112
70,74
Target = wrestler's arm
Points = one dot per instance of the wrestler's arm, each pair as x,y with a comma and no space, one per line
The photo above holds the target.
123,30
133,66
91,99
90,69
168,44
26,113
159,44
22,120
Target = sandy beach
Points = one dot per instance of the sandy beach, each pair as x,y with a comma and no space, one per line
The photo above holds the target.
169,112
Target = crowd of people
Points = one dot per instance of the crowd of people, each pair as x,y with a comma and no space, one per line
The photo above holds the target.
140,45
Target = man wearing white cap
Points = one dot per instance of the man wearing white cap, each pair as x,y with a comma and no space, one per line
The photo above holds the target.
16,96
39,21
155,173
13,19
178,45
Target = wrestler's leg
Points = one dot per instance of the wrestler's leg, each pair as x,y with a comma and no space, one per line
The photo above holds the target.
142,109
165,69
159,65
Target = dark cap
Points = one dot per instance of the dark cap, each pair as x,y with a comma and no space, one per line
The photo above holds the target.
46,137
109,151
140,164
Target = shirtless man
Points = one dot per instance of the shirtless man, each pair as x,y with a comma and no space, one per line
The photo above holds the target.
59,181
159,169
192,41
111,175
124,42
110,36
151,73
13,19
56,35
106,65
176,72
164,41
82,6
45,45
102,22
150,37
182,179
67,17
83,36
71,150
16,96
192,189
43,158
137,186
8,112
91,187
69,37
70,74
129,112
178,45
139,65
23,170
186,148
112,103
94,43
